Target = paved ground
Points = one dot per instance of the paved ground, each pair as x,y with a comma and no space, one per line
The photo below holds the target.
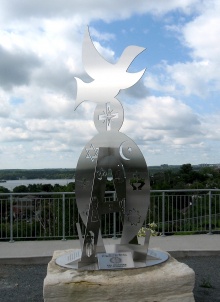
41,251
23,283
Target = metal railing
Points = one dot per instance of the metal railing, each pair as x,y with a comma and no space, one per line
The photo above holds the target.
54,215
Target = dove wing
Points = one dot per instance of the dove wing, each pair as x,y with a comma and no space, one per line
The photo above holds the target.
128,56
93,62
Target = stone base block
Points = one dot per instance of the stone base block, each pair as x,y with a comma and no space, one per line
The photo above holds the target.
170,281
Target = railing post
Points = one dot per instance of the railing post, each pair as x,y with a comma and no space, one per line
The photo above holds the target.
210,213
11,219
163,215
63,219
114,219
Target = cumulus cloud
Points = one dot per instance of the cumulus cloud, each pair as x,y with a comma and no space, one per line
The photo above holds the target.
192,77
16,68
40,54
202,34
100,35
201,74
137,91
4,108
163,119
96,9
166,130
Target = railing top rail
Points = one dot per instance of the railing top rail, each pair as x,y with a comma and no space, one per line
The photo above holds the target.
186,190
37,193
111,192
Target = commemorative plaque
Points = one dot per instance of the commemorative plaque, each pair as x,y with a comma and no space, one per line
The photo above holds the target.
115,261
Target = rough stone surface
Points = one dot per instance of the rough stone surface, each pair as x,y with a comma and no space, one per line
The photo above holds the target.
170,281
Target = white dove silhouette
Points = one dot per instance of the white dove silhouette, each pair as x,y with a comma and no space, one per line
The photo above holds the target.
109,78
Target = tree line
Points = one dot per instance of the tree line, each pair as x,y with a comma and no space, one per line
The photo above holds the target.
185,177
14,174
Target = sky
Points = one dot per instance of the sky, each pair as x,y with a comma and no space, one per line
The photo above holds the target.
172,113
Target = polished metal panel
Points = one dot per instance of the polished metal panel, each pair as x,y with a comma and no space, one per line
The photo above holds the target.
110,150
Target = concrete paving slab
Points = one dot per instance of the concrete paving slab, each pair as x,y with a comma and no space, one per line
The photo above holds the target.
27,252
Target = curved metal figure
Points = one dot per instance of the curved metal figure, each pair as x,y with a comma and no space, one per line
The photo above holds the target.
109,149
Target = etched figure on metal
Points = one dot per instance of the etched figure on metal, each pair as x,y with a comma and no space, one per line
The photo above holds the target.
110,149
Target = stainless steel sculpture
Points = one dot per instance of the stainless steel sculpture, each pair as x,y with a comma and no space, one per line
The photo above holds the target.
110,150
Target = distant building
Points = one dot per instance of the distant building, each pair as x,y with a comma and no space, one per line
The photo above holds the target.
205,165
209,165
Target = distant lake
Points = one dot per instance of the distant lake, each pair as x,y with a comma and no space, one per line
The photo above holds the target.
11,184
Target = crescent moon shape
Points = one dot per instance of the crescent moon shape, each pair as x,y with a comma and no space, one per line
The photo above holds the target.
121,153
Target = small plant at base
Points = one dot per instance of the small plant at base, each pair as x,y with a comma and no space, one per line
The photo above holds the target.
152,227
206,283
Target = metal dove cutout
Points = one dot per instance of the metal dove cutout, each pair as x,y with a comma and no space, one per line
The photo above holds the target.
108,79
110,151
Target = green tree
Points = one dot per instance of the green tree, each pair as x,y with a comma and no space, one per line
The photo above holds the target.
47,188
4,190
21,189
186,169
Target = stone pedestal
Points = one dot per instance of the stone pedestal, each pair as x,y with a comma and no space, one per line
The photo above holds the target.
167,282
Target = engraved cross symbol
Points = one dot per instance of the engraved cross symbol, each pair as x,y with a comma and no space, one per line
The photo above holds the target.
108,116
